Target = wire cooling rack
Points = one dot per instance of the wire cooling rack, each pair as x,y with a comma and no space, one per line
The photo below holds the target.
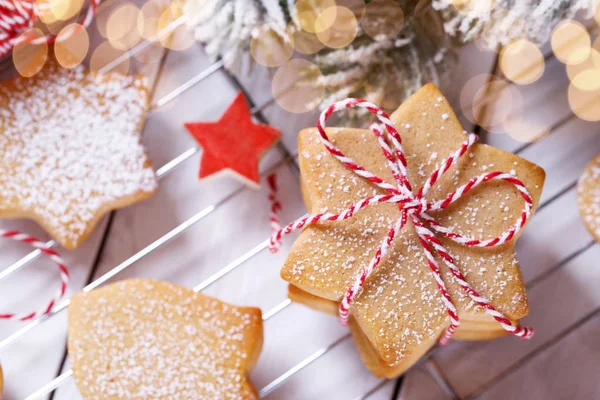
289,159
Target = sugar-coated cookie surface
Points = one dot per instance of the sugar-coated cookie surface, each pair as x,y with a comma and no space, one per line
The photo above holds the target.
145,339
400,310
588,194
70,148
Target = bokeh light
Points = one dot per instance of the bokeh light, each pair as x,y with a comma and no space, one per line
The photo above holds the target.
383,19
356,6
586,74
522,62
306,42
149,16
121,26
585,103
296,87
307,12
467,94
336,27
65,9
181,38
29,58
45,12
571,42
71,45
525,131
105,54
496,103
270,49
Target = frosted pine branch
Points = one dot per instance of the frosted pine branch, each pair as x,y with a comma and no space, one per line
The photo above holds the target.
502,21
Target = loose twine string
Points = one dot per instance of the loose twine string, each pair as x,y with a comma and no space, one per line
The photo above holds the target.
416,208
18,16
54,256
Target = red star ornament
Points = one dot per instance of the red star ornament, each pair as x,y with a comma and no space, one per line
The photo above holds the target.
234,143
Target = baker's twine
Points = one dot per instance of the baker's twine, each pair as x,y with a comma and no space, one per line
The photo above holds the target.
18,16
54,256
416,208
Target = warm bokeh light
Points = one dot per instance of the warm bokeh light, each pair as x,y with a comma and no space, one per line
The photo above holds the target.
307,12
467,94
571,42
149,16
585,103
65,9
336,27
306,42
296,86
71,45
356,6
383,19
44,11
105,54
495,103
181,38
270,49
29,58
121,26
522,62
525,131
586,74
588,80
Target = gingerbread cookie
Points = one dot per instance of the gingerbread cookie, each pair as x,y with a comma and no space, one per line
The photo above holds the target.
399,312
70,149
588,195
145,339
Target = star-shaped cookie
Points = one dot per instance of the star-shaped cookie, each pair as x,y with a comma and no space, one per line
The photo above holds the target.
588,194
400,314
145,339
70,149
234,143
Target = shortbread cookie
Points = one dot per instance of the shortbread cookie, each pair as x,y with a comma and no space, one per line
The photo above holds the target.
400,309
145,339
70,149
468,330
588,194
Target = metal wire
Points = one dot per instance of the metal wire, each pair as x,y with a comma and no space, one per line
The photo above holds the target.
300,366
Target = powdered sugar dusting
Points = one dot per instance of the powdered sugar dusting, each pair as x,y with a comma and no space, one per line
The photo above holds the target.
588,192
143,339
70,148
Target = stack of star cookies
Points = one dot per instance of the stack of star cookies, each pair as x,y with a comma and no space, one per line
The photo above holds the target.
399,314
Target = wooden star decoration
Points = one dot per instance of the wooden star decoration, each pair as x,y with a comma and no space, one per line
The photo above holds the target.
146,339
70,149
399,314
234,143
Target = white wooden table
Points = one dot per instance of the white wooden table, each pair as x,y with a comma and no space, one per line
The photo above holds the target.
558,257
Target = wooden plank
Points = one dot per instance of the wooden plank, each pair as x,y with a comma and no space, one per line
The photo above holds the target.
557,302
565,370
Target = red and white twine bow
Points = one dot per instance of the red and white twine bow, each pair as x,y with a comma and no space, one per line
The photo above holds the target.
53,255
18,16
416,208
